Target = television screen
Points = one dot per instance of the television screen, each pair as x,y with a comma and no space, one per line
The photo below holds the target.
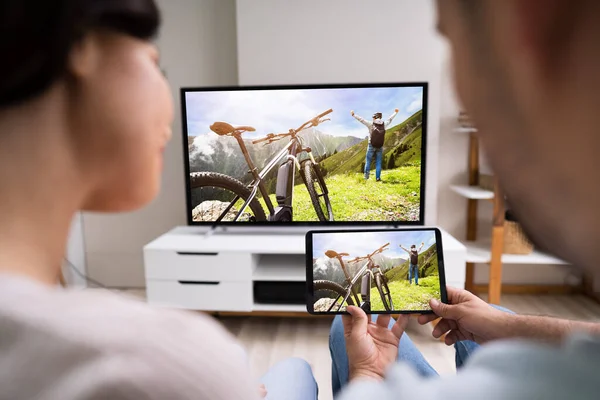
305,154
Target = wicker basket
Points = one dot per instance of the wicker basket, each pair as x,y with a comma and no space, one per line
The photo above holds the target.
515,241
464,120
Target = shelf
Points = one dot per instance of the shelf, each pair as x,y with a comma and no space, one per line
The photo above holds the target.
280,267
465,130
480,253
280,307
473,192
282,273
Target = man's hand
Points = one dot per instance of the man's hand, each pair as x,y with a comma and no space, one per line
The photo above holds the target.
467,317
396,110
352,113
371,346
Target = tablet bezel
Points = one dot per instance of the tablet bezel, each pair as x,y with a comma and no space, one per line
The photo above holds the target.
309,269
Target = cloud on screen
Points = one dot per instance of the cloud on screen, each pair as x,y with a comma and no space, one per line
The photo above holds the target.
276,111
362,243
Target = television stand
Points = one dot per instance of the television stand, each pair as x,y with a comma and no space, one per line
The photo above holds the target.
244,270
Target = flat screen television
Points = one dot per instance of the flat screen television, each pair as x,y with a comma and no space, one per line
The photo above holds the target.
305,155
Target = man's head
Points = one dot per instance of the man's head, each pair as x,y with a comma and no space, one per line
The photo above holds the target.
377,115
413,247
527,71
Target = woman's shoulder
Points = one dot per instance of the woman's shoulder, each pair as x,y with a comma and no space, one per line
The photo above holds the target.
121,340
99,316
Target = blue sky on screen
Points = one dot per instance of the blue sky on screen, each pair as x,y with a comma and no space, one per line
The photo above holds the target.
276,111
362,243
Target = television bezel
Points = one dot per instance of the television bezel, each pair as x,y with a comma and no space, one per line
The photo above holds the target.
186,158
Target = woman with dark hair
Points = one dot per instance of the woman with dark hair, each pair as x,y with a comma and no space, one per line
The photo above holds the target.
85,115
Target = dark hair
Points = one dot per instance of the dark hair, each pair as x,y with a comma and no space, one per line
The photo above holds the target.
36,37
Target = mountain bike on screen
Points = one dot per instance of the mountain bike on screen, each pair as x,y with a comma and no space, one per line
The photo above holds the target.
347,295
227,199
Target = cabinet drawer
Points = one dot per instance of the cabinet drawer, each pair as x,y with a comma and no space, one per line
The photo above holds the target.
187,266
206,296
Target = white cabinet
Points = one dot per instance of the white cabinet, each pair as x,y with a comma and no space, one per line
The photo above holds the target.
187,268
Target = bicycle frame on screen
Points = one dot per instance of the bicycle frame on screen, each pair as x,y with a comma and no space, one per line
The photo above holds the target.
291,150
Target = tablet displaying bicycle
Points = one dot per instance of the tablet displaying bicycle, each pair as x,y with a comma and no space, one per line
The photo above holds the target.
391,271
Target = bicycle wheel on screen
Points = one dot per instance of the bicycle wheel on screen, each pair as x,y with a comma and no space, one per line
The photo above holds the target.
333,291
319,195
384,292
217,196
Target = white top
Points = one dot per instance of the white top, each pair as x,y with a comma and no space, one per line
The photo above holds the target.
255,240
67,344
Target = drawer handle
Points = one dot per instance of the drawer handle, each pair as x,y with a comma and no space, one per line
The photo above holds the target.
198,283
187,253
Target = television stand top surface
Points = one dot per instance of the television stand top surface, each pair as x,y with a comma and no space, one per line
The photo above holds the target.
269,230
254,241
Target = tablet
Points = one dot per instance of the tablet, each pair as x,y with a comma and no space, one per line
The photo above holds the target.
383,271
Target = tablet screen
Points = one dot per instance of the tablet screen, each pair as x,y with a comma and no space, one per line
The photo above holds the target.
381,271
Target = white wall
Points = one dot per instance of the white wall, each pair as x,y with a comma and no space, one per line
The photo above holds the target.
198,48
340,41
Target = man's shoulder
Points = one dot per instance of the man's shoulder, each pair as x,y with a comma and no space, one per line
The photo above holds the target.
511,369
570,352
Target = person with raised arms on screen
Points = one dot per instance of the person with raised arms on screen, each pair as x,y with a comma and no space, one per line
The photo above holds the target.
376,140
413,262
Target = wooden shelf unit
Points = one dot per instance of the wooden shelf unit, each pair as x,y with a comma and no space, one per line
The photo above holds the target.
490,252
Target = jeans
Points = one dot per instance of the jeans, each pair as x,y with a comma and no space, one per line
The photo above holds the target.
407,352
290,379
378,159
413,271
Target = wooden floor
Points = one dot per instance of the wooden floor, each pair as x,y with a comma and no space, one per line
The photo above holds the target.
269,340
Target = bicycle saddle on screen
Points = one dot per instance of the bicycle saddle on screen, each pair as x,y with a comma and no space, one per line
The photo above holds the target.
223,128
333,254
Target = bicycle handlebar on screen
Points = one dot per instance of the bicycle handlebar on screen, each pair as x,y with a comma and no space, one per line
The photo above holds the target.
271,137
268,137
356,259
315,121
379,250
